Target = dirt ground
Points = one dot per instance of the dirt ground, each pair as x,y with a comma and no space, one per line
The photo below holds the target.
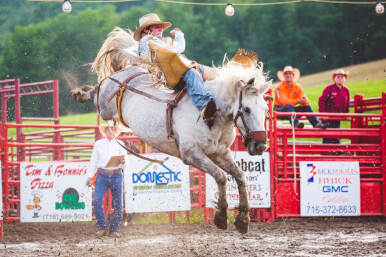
359,236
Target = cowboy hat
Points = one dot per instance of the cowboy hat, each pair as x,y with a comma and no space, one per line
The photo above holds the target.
148,20
339,72
103,127
296,72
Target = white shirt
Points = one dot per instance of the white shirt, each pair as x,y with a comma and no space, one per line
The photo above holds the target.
102,152
178,45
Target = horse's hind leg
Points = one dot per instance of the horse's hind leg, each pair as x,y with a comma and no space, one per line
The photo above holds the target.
194,156
227,163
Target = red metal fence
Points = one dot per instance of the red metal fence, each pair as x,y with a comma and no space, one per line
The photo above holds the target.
13,89
364,136
365,143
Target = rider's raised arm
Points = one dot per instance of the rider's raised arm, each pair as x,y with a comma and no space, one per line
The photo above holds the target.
179,42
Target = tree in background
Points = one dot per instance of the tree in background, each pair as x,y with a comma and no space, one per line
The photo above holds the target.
311,36
58,48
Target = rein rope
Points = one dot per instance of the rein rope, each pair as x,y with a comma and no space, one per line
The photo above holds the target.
125,85
121,89
241,115
171,104
140,156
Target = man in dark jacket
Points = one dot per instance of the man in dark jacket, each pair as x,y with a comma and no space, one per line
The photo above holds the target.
335,98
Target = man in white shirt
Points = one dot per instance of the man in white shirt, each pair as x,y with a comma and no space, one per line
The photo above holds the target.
107,177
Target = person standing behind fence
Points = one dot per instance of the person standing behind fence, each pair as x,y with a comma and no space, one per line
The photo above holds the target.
290,97
110,177
335,98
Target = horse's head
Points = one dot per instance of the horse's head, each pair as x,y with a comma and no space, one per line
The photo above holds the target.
250,114
244,89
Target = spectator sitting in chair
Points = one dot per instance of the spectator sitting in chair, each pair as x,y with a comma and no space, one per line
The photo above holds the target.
290,97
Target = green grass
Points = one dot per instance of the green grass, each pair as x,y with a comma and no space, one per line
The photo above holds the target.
72,119
80,119
368,89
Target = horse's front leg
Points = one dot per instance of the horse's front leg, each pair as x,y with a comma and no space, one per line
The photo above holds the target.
195,156
226,162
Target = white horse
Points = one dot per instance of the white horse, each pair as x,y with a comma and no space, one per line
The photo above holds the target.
238,93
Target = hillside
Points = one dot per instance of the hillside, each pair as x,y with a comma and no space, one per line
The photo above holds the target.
368,71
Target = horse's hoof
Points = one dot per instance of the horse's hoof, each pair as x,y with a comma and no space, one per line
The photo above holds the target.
220,220
242,223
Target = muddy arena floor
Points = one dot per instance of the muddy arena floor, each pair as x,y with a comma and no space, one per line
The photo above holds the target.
359,236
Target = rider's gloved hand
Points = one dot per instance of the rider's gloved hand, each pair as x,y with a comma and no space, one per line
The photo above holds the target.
173,31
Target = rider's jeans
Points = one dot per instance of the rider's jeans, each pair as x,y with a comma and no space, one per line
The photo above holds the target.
195,88
102,183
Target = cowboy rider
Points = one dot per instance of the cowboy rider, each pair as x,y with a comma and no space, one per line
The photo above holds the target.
151,28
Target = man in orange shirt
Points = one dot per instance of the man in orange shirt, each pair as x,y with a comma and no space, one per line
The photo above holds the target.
290,97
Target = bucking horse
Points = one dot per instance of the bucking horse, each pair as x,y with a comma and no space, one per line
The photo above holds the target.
239,95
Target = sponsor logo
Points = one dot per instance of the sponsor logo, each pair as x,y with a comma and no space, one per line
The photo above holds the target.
335,189
70,201
158,178
311,173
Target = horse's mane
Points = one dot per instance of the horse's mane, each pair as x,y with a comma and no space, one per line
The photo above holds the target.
112,57
231,72
118,52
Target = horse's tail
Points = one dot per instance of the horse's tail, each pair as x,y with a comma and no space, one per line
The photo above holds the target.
115,53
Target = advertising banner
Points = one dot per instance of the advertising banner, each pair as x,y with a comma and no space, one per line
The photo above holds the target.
54,192
154,187
257,172
329,189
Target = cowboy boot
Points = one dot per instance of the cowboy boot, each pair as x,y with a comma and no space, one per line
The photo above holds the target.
208,113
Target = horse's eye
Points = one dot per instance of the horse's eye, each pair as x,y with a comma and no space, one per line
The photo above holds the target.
247,110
